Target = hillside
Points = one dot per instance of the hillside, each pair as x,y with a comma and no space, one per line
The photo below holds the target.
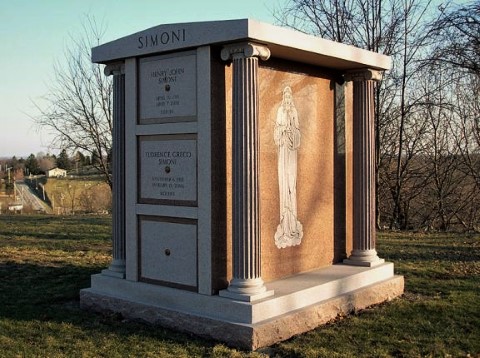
61,196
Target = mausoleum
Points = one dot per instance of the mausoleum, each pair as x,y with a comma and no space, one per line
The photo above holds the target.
244,181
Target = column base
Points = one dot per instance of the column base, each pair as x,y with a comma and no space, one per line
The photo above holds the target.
247,290
365,258
116,269
245,297
110,273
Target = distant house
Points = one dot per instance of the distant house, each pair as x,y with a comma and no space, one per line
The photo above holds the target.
56,173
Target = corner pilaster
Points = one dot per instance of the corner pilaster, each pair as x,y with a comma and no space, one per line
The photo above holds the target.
117,266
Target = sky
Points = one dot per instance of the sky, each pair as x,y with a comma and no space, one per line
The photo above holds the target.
35,33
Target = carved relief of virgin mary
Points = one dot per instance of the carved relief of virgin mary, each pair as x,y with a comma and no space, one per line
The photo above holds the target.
287,138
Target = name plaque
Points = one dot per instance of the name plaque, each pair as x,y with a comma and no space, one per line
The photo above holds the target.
168,168
168,88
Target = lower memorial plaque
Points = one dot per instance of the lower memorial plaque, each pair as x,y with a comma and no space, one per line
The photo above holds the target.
168,252
168,168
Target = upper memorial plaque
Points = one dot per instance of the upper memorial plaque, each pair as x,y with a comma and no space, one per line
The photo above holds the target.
167,88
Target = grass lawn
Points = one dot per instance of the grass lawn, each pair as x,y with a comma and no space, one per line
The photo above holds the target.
45,261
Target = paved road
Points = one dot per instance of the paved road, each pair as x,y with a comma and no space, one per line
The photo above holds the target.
28,198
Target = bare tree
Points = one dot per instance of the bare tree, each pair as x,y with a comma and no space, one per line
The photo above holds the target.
392,27
458,36
78,110
45,161
457,53
406,73
369,24
465,133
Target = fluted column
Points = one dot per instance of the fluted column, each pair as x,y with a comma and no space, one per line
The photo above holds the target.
117,266
364,234
247,284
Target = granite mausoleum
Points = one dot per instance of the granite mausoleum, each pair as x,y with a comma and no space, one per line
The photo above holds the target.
244,203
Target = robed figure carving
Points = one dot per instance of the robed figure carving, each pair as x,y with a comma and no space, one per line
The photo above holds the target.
287,138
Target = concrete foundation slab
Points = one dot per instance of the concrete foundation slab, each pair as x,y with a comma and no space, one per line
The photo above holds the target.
300,304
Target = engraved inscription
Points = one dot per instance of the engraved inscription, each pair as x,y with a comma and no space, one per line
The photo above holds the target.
167,87
287,138
168,169
162,38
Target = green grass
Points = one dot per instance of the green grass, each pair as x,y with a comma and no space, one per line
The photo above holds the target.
45,261
439,315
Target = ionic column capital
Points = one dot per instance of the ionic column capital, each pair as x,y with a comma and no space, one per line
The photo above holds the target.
243,50
117,68
363,74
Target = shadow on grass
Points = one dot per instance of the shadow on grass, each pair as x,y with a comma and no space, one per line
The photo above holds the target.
48,294
44,263
28,290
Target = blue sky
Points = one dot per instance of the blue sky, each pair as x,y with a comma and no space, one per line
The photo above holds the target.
34,34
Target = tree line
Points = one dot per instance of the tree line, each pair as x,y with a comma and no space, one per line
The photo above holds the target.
40,163
427,111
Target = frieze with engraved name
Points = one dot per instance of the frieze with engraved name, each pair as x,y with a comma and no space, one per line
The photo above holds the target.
162,38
